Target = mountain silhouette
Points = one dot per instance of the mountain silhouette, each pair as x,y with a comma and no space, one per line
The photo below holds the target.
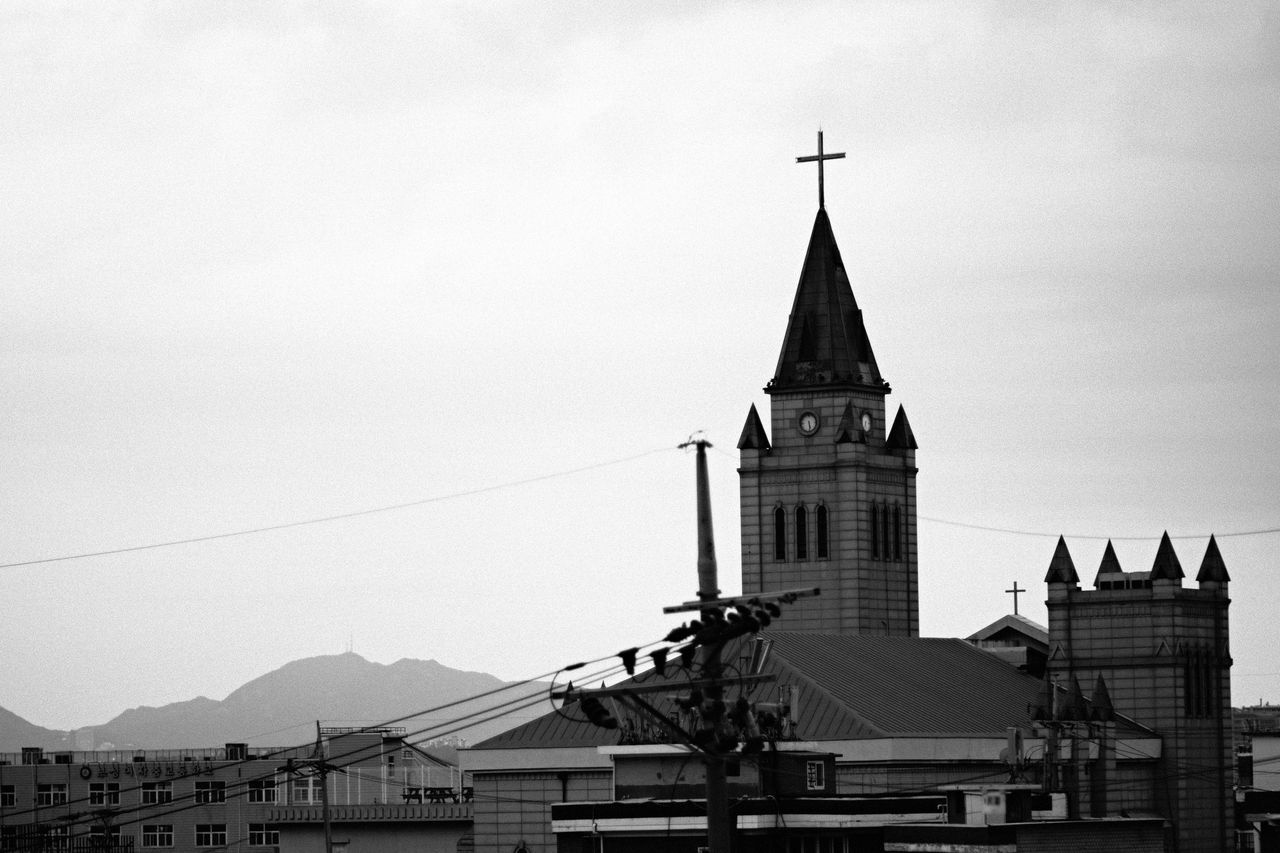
281,708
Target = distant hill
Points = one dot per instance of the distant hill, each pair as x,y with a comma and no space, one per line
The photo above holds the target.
16,733
281,707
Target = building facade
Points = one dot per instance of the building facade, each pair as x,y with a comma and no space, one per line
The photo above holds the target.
254,800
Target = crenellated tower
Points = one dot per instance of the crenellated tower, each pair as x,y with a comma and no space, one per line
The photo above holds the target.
828,492
1164,654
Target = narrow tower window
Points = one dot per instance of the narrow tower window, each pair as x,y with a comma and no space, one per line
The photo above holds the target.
779,534
897,532
821,518
802,533
886,544
875,531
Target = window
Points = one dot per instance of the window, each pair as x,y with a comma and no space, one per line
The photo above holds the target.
306,789
8,797
8,837
211,792
815,775
875,532
104,793
157,835
820,516
802,533
157,793
897,532
264,835
51,795
779,534
262,791
886,545
211,835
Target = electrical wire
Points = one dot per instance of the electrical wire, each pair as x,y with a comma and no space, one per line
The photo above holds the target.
337,517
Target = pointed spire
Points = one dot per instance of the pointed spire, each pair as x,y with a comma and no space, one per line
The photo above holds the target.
753,435
1166,566
1110,564
826,343
1212,568
849,431
1102,709
1043,709
1061,569
1075,708
900,435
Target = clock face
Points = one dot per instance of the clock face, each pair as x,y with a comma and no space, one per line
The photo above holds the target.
808,423
866,422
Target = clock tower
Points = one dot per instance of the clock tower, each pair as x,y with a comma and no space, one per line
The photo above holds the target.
830,500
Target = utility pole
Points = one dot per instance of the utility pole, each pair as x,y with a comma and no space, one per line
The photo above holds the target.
719,823
323,767
719,732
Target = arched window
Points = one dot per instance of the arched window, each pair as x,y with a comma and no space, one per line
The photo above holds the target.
875,531
821,519
897,532
886,544
779,534
802,533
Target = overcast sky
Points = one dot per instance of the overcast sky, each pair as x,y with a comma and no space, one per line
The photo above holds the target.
268,262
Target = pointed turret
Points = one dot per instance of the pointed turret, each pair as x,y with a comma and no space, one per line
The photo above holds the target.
900,435
1110,566
1101,708
753,435
849,431
1075,707
1212,568
1061,568
826,343
1166,566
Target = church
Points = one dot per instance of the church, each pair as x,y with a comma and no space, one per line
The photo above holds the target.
876,738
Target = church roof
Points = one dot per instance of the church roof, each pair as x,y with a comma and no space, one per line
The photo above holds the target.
850,687
1006,627
826,343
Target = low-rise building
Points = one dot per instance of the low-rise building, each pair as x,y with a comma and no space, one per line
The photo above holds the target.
374,783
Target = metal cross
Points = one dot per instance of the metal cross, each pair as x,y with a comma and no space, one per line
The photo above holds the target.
822,201
1015,592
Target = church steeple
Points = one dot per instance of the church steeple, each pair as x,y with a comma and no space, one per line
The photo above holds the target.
826,344
828,494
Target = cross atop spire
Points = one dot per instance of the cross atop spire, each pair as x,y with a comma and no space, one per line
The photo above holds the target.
820,157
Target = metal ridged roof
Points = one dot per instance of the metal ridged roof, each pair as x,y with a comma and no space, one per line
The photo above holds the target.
852,687
885,686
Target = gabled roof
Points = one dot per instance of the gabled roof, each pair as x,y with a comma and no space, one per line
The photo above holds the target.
1166,565
1014,625
826,344
897,686
851,687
